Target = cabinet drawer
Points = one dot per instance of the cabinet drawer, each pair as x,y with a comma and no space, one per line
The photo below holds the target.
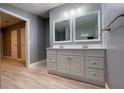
94,74
51,58
62,58
95,53
51,66
70,52
68,58
95,62
51,52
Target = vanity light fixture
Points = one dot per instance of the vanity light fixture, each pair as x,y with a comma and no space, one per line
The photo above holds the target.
72,13
65,14
79,10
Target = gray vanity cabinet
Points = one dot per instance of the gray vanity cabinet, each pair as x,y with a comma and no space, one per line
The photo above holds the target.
63,64
80,64
76,66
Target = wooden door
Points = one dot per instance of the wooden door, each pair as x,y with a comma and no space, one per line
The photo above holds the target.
14,44
23,44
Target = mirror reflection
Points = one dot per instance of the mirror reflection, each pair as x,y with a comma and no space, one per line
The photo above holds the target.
87,27
62,31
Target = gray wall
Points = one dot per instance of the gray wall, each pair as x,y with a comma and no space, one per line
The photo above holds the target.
37,32
58,14
115,52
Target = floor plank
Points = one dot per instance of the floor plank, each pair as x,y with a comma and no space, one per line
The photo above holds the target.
16,76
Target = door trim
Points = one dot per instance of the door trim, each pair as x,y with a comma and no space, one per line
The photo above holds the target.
27,34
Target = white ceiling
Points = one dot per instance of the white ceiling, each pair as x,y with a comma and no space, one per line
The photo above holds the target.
40,9
8,20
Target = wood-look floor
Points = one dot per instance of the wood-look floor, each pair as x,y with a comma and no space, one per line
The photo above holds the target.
16,76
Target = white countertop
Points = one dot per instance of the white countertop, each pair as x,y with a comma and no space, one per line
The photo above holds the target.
79,48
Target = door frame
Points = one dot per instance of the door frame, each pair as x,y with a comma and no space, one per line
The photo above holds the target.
27,33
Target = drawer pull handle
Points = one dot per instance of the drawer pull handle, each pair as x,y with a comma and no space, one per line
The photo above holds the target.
94,74
94,63
69,58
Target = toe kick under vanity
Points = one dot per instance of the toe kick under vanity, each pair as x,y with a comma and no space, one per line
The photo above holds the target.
79,64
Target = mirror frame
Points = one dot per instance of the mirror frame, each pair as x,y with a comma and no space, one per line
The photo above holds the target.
70,21
99,27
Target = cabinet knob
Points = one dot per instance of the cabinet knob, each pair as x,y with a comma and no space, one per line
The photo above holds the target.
94,63
69,58
94,74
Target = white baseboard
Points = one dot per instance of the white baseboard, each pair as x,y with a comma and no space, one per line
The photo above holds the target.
37,63
106,86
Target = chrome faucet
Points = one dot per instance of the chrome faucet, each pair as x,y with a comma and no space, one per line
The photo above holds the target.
85,45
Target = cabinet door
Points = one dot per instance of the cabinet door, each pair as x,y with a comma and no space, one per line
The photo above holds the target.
51,66
76,66
63,64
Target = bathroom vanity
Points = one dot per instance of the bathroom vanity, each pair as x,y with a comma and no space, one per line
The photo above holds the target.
79,64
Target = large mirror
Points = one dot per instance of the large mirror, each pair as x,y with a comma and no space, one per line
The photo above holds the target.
87,27
62,31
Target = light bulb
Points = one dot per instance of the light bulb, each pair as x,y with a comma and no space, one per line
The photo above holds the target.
79,10
65,14
72,13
